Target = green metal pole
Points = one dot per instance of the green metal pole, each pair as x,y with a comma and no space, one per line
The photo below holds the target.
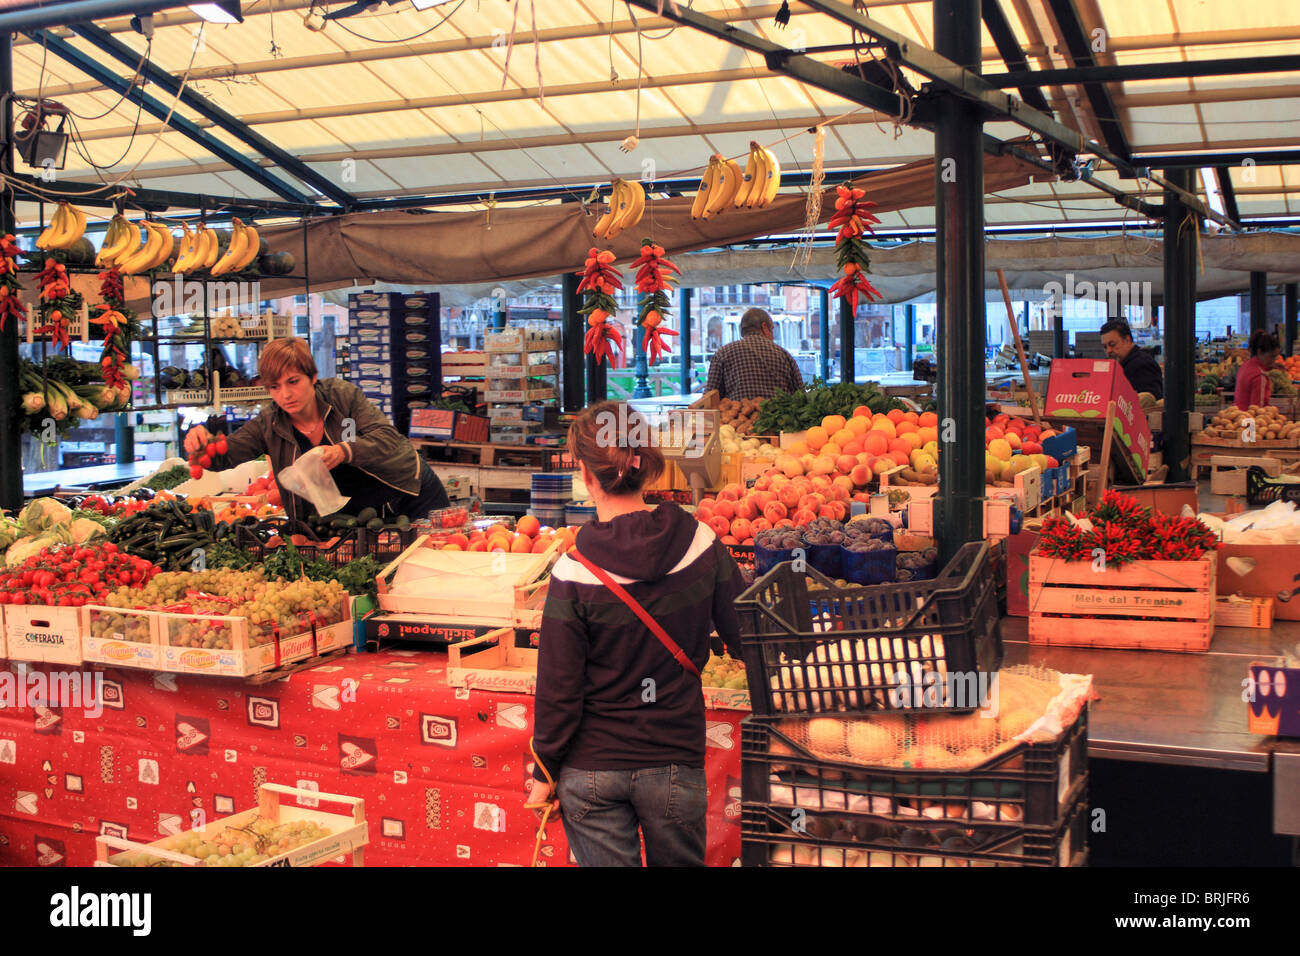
1180,322
685,337
824,331
1289,310
959,220
909,339
1258,301
847,335
11,439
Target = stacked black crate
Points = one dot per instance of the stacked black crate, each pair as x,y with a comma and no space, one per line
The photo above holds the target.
417,348
370,345
884,732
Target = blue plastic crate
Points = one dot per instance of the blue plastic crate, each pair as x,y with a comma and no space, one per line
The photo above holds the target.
868,567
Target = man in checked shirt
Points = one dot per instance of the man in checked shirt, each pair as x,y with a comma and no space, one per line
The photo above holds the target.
754,366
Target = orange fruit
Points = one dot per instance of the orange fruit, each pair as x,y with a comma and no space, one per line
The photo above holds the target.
876,443
858,424
903,427
886,426
900,457
843,436
833,423
928,433
522,544
895,415
502,541
528,525
862,411
928,419
815,437
911,417
799,449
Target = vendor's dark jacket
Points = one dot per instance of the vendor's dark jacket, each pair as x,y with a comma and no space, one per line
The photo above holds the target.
609,695
1143,372
377,450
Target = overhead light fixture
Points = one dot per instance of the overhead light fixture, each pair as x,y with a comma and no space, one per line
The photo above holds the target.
41,148
143,25
223,11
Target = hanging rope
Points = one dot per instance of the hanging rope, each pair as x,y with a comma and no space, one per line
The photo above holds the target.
812,201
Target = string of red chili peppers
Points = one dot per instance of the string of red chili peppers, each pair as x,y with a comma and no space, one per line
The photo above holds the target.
853,218
1125,532
58,303
10,288
600,280
654,280
116,321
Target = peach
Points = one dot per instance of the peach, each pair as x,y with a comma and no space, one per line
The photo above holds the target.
821,483
790,496
840,509
708,502
779,482
812,501
798,449
844,484
823,466
774,511
844,464
784,523
803,516
791,467
748,542
740,528
863,458
761,499
728,494
729,539
759,524
703,514
831,450
860,475
720,525
746,510
763,483
725,508
734,491
826,511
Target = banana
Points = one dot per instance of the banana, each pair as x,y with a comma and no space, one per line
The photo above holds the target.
60,225
141,260
235,251
115,241
51,227
210,250
728,182
631,206
601,229
166,242
707,186
747,183
186,250
772,166
78,227
254,247
760,176
132,247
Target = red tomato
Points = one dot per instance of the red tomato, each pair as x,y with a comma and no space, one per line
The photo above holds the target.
196,471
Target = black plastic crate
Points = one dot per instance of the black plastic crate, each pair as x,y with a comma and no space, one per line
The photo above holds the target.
850,649
1028,788
257,538
770,839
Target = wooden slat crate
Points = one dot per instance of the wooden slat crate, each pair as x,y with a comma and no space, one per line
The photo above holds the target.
1228,473
1143,605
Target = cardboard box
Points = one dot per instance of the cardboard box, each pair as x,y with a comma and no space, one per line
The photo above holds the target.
1262,570
1083,388
1252,612
385,628
121,637
38,633
1273,707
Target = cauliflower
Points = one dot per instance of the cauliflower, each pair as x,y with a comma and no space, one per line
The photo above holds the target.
84,529
43,514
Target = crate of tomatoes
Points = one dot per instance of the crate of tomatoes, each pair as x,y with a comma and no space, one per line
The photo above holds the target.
42,595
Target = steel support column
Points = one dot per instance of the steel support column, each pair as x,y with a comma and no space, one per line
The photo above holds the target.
959,220
575,327
824,333
11,440
684,296
847,338
1258,301
1060,341
909,335
1180,229
641,389
1289,316
124,436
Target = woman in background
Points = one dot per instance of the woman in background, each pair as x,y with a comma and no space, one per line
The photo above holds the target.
1253,385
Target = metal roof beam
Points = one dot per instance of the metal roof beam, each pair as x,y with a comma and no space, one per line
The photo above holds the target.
1080,49
154,200
1256,158
1004,38
953,78
1134,72
243,164
77,11
1224,179
206,108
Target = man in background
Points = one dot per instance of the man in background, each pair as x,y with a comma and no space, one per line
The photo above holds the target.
753,366
1139,365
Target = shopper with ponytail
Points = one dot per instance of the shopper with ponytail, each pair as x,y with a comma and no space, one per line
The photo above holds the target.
619,721
1253,385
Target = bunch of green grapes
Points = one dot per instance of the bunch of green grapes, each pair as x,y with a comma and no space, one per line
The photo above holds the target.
126,627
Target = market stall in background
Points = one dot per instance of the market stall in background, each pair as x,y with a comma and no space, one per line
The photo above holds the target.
973,575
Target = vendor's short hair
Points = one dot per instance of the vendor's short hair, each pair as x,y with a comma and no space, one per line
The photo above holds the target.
284,356
1118,325
755,320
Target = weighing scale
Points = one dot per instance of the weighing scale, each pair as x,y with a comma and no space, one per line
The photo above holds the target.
700,460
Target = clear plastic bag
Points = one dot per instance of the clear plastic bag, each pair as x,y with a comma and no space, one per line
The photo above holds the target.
309,478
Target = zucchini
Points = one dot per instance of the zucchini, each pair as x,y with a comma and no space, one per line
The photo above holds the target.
403,522
374,524
367,515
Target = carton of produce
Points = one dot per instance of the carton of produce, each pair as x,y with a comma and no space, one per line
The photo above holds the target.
35,632
121,637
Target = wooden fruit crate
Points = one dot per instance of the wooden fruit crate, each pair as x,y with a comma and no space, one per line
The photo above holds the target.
349,833
1228,473
1143,605
492,662
1254,612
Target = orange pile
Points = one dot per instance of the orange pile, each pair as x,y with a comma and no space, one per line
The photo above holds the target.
529,537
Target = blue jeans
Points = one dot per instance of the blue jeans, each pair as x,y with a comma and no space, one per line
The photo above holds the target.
603,808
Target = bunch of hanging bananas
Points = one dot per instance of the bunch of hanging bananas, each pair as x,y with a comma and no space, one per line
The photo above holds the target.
626,206
725,186
198,250
244,246
67,225
122,246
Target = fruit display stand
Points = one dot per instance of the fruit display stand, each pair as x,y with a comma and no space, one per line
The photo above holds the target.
340,835
1143,605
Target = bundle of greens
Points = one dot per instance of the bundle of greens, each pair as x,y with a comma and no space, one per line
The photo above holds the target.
786,412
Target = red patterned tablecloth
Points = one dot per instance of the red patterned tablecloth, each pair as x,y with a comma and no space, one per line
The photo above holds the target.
441,770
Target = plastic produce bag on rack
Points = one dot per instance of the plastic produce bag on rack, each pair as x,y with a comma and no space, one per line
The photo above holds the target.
309,478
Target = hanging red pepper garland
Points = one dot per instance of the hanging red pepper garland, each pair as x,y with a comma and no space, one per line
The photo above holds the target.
654,279
1125,531
116,321
58,304
853,218
600,280
10,288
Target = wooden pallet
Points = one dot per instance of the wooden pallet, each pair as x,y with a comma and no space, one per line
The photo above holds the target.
1144,605
289,669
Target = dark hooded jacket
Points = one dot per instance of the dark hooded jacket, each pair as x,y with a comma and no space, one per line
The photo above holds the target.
609,695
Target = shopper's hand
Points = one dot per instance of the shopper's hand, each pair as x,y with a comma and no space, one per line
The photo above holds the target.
197,438
539,794
333,455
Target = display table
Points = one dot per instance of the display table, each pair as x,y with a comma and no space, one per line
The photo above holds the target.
442,770
95,476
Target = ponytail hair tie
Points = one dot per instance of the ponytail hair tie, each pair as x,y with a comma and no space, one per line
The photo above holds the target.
636,461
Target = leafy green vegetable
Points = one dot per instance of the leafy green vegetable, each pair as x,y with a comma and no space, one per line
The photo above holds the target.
223,554
166,480
793,412
357,576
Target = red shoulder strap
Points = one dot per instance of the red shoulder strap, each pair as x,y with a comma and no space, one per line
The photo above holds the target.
621,593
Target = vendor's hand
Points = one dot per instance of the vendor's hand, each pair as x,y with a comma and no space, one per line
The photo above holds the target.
333,455
197,439
540,793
